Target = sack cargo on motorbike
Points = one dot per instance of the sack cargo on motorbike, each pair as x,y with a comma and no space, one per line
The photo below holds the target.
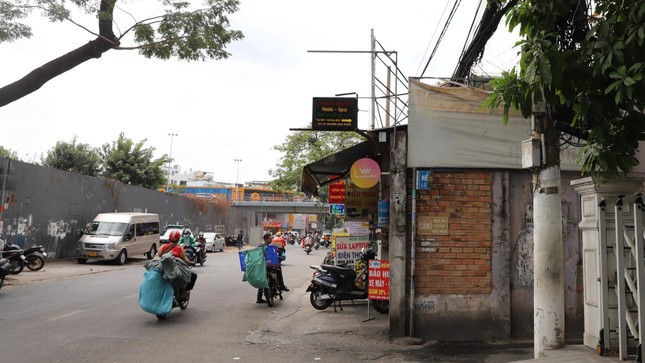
155,293
115,236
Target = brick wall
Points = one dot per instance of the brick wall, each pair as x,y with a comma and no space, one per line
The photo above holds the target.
460,262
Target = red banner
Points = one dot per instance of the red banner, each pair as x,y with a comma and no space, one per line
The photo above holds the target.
337,192
379,280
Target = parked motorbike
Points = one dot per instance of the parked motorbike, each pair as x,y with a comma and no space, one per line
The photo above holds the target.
35,257
4,270
333,284
14,255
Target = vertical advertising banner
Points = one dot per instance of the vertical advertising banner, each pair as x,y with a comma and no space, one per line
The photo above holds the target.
337,192
379,280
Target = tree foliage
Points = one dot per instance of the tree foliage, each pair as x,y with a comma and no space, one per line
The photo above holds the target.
133,164
7,153
588,68
179,30
304,147
74,157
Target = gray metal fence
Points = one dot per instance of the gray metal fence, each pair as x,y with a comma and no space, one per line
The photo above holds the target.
46,206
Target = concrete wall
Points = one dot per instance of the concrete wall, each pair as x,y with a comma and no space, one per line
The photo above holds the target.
50,207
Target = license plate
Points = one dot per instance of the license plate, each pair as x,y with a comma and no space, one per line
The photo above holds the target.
45,254
92,254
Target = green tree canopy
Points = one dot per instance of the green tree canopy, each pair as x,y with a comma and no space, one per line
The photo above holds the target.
7,153
74,157
304,147
133,164
178,30
588,68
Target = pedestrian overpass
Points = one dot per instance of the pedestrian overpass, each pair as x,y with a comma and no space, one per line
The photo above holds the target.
297,207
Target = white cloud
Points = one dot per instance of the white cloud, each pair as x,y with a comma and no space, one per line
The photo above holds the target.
235,108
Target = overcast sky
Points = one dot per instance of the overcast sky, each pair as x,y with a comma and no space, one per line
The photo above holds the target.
237,108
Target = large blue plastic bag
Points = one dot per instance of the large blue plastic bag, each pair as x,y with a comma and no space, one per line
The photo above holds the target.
155,293
256,268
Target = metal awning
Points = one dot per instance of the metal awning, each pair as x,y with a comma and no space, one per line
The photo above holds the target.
333,167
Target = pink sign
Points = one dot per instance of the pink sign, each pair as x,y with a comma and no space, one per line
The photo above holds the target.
365,173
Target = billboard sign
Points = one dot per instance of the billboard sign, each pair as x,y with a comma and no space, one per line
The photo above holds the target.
335,114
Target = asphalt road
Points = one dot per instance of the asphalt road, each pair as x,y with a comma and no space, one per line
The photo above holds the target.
90,313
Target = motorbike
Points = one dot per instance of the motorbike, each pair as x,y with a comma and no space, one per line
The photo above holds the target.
332,284
4,270
308,249
35,257
194,254
180,300
14,255
316,244
274,289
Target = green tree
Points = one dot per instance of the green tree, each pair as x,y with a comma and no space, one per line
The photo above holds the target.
133,164
179,30
7,153
588,69
74,157
302,148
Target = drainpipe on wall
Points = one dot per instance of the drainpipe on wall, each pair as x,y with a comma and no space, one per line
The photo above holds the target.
412,248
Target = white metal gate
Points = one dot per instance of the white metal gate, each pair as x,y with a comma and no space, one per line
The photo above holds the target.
621,277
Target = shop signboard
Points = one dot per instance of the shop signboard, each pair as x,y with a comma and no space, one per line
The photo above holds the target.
379,280
348,249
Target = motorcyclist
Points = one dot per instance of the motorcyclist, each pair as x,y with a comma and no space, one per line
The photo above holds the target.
188,241
280,243
177,251
201,240
309,241
266,241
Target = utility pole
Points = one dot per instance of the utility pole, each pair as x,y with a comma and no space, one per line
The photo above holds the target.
548,251
172,136
237,176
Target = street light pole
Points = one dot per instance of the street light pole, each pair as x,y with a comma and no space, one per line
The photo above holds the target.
172,136
237,176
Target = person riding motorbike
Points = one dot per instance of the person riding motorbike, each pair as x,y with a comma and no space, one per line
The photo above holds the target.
188,241
280,243
266,241
177,251
200,239
309,241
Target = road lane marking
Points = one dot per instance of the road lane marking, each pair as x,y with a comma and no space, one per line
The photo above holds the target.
65,315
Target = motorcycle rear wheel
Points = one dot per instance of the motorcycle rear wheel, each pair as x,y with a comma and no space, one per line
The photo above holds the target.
17,266
34,262
268,294
183,303
382,306
319,304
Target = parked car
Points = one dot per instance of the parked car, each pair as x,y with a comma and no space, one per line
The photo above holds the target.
214,241
170,228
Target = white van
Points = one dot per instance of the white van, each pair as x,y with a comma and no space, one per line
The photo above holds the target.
115,236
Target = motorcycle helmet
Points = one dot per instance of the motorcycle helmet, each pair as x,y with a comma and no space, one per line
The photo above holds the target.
201,234
278,234
174,236
186,232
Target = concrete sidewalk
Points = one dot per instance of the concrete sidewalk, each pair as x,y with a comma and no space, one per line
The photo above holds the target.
573,354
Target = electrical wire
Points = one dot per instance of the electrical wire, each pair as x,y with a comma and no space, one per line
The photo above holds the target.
443,32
